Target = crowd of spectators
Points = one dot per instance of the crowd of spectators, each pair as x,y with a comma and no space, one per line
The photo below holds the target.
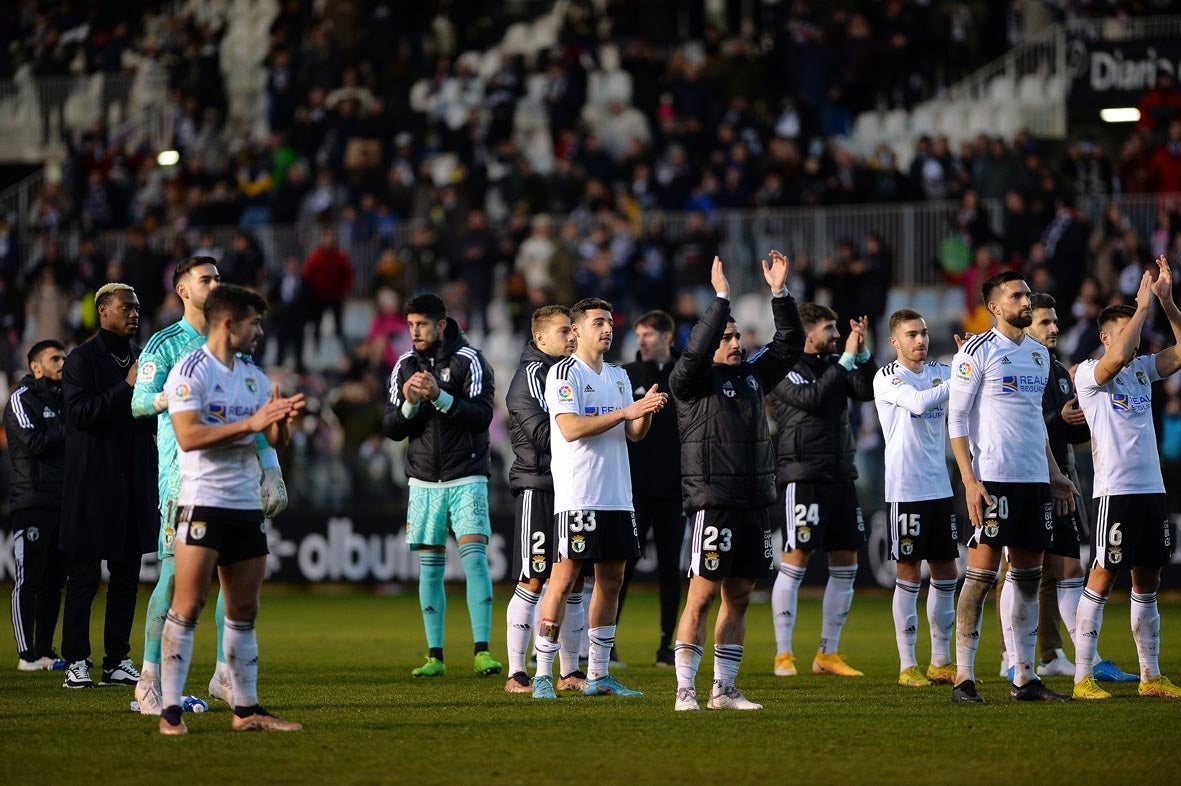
596,167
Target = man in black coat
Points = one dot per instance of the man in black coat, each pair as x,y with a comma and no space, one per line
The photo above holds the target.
816,474
36,435
109,501
728,477
656,475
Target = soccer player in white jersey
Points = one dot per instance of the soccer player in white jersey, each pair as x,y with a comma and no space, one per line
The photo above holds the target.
218,401
1130,525
591,414
911,398
1011,481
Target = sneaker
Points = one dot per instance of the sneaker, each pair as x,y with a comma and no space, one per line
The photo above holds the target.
123,674
607,685
913,678
485,665
147,695
29,665
220,687
1035,690
665,657
543,687
1058,667
78,675
686,700
965,693
518,683
833,663
944,674
575,680
785,664
1089,689
262,720
1107,671
729,698
1161,687
170,729
432,668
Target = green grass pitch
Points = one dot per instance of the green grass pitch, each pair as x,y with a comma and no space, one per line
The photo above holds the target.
340,661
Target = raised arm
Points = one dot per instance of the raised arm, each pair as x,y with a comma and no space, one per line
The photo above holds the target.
690,376
776,358
1168,361
1121,351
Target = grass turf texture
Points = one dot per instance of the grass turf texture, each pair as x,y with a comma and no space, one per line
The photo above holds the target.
339,662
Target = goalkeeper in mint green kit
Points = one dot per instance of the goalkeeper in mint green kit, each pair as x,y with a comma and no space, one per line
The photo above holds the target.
193,279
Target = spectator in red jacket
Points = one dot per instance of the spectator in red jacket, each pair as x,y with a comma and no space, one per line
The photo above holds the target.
328,274
1165,167
1160,106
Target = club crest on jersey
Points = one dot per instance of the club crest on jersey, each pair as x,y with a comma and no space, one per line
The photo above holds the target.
32,534
1141,377
619,384
936,381
803,534
445,374
578,544
712,560
751,382
1037,358
728,389
147,371
1063,385
906,547
538,564
1115,554
1008,385
895,381
964,370
565,392
251,384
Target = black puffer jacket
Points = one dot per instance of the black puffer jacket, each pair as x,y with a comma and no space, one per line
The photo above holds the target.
812,409
528,421
444,445
36,433
727,457
1062,435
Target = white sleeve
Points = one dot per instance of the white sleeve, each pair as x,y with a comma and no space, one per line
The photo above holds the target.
899,392
1084,378
185,393
562,395
967,372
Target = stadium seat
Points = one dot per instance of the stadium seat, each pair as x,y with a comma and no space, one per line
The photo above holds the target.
1056,88
1001,89
894,124
952,120
867,130
1031,89
922,119
981,117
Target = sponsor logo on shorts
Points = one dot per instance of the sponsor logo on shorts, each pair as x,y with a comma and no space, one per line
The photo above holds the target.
578,544
712,560
565,392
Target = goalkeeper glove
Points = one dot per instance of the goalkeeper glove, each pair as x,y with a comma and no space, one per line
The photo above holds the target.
274,492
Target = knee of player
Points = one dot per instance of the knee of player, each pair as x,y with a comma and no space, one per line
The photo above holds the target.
1101,581
242,612
1145,580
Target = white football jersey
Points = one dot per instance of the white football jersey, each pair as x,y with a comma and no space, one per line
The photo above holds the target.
590,473
1123,441
912,409
226,476
996,402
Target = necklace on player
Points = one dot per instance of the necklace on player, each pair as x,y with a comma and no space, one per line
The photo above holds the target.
122,361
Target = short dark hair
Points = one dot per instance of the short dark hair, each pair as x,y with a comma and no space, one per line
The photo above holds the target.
658,320
812,313
233,301
546,313
429,305
578,313
184,266
42,345
995,281
1114,313
1041,300
903,315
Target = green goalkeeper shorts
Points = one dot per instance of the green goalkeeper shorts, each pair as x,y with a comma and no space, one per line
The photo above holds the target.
433,512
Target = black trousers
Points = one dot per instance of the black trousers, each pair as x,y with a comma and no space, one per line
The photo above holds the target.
40,574
82,582
665,520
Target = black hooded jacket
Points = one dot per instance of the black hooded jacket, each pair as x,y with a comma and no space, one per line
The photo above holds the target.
36,433
528,421
727,456
444,445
